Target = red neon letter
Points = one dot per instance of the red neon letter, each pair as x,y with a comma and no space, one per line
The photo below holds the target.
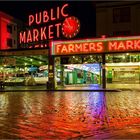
35,35
78,47
58,29
112,46
129,44
64,49
52,18
121,46
22,37
99,46
43,33
49,32
45,17
92,47
57,49
85,47
58,11
29,37
62,10
137,44
70,48
38,18
31,19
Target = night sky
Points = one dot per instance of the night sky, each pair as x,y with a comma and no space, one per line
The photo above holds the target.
83,10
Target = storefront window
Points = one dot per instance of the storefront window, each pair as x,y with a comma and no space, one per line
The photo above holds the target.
125,57
123,68
24,70
78,70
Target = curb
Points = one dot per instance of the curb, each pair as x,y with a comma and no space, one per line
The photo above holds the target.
101,90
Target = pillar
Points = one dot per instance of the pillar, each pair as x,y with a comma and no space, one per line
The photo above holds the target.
103,72
51,77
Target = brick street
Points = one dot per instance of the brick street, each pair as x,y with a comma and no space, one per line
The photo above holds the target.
70,115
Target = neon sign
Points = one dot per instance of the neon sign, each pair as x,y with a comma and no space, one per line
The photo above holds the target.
37,35
119,44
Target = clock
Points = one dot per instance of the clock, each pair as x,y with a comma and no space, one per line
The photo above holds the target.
70,27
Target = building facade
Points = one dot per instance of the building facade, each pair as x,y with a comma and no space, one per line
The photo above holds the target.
117,18
8,32
96,63
121,19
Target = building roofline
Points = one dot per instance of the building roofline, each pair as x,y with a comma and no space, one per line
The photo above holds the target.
7,16
116,4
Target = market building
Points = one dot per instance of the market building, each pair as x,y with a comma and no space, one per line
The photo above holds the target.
42,58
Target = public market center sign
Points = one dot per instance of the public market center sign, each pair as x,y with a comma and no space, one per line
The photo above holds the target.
48,25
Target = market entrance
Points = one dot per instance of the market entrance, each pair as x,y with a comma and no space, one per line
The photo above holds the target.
24,72
78,71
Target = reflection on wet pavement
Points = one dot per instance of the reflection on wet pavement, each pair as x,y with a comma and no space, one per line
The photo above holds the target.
66,115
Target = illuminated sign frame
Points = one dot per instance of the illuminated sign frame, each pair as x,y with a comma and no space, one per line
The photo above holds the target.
47,25
99,45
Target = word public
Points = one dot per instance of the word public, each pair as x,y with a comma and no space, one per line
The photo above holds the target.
50,31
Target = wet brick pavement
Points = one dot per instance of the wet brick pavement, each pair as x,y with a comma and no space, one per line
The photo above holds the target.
70,115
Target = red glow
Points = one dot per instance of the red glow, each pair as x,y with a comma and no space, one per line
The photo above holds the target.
22,37
62,10
58,29
70,27
79,48
124,45
4,33
35,35
94,46
50,32
52,15
43,35
46,16
40,34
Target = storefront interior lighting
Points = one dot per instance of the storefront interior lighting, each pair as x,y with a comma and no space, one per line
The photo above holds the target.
124,64
123,57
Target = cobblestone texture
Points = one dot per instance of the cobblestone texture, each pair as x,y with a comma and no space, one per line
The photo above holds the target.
70,115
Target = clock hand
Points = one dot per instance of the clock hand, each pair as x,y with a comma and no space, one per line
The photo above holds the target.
70,27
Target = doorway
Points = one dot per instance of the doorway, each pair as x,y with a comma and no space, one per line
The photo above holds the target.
78,71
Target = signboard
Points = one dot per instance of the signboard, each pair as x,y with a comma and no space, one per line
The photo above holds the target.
48,25
101,45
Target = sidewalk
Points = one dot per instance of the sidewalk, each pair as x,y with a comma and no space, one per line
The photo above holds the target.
66,88
92,87
124,86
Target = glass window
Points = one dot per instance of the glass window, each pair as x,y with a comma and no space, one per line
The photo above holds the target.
125,57
24,70
122,14
14,28
9,28
9,42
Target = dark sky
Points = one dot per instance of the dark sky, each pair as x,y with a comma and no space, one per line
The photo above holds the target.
83,10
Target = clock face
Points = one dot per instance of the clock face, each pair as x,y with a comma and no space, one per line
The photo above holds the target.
70,27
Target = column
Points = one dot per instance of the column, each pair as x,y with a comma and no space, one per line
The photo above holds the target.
51,78
103,72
